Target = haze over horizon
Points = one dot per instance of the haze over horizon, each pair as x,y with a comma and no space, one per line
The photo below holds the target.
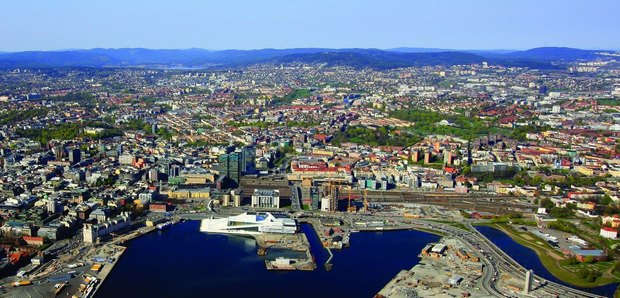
238,24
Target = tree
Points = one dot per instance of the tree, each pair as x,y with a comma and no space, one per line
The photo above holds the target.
547,203
605,200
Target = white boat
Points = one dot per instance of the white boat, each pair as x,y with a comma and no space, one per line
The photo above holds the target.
164,225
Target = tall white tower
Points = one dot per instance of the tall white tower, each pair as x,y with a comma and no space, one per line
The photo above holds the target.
528,282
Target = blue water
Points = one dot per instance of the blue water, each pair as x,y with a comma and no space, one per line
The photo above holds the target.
183,262
529,259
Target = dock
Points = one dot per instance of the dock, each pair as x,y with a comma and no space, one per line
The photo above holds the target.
298,242
286,264
328,265
118,251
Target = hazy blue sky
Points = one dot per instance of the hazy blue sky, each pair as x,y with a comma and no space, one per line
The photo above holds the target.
239,24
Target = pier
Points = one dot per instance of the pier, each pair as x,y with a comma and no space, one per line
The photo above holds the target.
328,265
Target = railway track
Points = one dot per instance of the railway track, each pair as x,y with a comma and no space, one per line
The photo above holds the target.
484,203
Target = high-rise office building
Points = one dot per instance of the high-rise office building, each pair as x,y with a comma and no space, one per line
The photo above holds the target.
236,163
75,156
230,166
248,156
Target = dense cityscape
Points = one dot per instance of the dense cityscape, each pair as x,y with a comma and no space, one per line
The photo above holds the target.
93,157
385,149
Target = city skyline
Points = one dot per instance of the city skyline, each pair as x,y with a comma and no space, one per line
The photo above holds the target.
218,25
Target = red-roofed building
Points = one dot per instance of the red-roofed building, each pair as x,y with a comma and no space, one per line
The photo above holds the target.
610,233
451,170
35,241
17,257
153,207
613,221
322,138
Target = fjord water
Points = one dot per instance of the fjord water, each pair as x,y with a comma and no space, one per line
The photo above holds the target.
528,259
183,262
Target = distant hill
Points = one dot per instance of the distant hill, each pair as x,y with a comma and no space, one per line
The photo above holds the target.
373,58
555,54
128,57
381,59
419,50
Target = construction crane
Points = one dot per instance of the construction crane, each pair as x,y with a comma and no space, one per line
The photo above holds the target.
350,208
366,205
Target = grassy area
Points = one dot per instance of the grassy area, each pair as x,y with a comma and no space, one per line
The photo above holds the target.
452,223
430,231
551,259
608,102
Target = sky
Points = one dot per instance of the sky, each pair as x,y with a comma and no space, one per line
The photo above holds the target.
245,24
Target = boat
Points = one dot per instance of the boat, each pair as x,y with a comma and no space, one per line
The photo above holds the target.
59,288
354,231
164,225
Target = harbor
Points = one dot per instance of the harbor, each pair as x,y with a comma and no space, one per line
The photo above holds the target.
229,266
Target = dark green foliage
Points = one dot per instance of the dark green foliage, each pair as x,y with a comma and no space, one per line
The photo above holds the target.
137,124
564,226
66,131
15,116
382,136
507,176
164,133
296,94
109,181
546,203
426,122
569,261
62,132
520,132
74,97
589,274
608,102
616,267
559,212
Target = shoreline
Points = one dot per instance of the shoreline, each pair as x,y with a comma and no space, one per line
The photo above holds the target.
120,243
548,262
120,249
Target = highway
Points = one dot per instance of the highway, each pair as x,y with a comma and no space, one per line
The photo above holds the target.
508,264
496,261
